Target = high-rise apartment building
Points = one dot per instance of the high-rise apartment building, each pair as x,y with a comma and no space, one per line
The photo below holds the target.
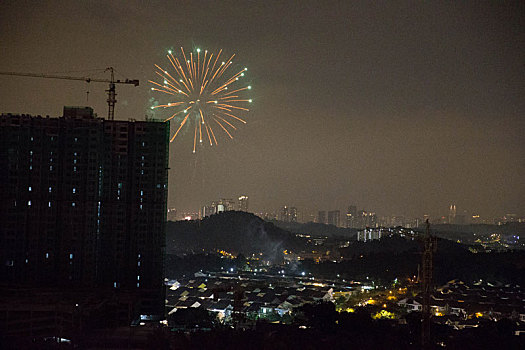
292,214
243,203
452,214
321,217
351,217
85,203
283,214
334,217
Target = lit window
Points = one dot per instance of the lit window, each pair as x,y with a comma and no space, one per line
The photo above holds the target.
47,255
73,204
30,167
74,161
50,189
49,204
30,189
50,168
32,139
114,284
138,264
74,168
28,203
138,285
138,278
76,139
74,190
141,191
31,152
141,207
70,256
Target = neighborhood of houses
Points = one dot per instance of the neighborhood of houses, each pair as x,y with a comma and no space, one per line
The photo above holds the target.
251,297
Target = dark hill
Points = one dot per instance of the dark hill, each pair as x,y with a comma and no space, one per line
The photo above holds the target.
232,231
316,229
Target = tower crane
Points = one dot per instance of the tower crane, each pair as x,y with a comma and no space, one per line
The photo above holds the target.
111,90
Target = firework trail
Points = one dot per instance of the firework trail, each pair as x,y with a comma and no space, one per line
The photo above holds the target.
203,94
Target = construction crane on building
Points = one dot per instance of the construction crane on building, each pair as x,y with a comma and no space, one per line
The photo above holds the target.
111,90
430,247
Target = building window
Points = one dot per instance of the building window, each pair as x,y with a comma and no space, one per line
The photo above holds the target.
70,256
29,188
73,204
74,190
47,255
49,204
50,189
28,203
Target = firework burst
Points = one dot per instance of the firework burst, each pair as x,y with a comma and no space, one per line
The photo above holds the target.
204,95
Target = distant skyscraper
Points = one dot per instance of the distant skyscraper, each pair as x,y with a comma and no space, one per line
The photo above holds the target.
207,210
333,217
243,203
283,214
321,217
172,214
452,214
351,217
84,203
228,204
292,214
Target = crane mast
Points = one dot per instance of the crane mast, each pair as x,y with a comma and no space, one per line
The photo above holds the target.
111,90
430,243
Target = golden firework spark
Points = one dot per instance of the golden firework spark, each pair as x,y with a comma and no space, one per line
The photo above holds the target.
202,92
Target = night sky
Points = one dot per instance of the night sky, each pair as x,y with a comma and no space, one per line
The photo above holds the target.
401,108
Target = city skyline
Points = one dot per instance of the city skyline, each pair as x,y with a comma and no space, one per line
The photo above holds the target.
400,109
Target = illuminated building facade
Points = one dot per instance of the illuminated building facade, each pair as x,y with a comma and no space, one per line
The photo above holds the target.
243,203
351,216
